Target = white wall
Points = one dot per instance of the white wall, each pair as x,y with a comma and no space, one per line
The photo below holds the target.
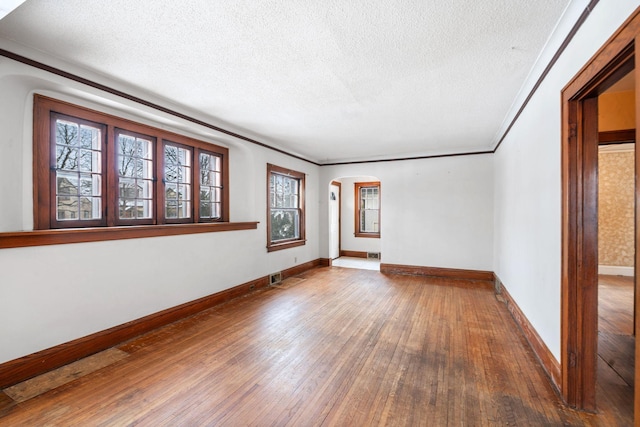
435,212
528,176
347,200
53,294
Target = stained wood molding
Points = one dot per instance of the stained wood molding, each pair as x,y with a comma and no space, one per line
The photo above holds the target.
324,262
20,239
23,368
540,349
298,269
617,137
354,254
449,273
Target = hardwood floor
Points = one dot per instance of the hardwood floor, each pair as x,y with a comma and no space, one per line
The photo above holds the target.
340,347
616,346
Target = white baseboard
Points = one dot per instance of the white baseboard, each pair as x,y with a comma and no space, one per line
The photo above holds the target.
615,270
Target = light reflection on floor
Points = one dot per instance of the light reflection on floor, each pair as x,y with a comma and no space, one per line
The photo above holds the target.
360,263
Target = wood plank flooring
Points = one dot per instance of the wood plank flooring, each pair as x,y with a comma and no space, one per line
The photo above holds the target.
616,346
340,347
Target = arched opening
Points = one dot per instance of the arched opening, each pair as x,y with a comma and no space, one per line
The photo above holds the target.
355,220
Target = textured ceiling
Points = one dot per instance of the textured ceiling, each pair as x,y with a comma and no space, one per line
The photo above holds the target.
330,80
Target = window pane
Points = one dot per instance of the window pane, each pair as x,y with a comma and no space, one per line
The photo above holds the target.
67,133
135,177
171,191
66,158
90,207
67,207
369,221
171,207
285,224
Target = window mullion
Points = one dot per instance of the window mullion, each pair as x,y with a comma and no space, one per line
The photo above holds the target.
195,179
111,195
159,183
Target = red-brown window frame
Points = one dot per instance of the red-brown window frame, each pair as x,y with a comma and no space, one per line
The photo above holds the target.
161,196
112,177
356,207
44,211
300,176
55,223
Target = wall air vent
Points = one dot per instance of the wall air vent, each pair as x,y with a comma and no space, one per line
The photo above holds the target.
275,278
373,255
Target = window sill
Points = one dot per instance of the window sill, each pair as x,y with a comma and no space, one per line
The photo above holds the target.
21,239
285,245
369,235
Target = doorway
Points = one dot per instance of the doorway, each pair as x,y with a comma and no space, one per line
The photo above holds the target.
616,247
354,222
580,142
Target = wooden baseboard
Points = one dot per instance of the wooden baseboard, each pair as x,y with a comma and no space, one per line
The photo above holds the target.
540,349
294,271
324,262
448,273
23,368
354,254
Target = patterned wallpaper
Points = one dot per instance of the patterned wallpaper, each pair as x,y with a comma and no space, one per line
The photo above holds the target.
615,208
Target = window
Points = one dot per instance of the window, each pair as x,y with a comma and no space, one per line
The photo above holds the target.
77,158
285,216
96,170
367,209
135,165
177,182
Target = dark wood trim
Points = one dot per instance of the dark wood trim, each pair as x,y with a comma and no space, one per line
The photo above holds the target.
23,368
449,273
401,159
574,30
298,269
21,239
285,245
104,88
356,209
579,281
354,254
636,300
324,262
617,137
277,246
540,349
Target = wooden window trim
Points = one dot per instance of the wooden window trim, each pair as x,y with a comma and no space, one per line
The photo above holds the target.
196,196
113,199
356,206
100,222
271,246
44,106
